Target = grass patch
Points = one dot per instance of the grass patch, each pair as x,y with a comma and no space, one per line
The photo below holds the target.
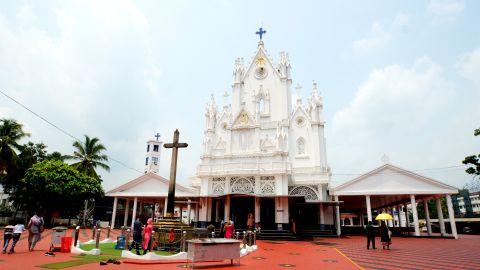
108,252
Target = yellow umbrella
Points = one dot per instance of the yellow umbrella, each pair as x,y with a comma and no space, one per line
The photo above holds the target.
384,216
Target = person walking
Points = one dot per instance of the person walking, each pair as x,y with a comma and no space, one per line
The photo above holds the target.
147,236
385,235
370,232
137,236
7,236
17,232
35,229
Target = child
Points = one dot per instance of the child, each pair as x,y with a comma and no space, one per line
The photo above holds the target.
7,236
17,231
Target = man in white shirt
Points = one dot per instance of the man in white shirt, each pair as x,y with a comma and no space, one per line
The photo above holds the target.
17,231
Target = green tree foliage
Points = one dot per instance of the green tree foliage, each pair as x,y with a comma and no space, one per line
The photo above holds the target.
11,133
473,160
89,156
52,185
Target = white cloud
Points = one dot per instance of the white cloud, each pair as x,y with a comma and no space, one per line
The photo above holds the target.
412,114
468,66
380,36
441,11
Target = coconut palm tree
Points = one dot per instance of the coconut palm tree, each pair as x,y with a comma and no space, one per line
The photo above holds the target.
11,132
89,155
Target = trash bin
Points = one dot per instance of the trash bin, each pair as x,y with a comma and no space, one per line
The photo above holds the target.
66,244
58,233
120,242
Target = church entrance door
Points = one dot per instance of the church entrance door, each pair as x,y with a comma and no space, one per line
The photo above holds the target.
240,207
304,214
267,213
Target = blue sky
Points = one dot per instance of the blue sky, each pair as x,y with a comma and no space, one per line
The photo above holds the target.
397,77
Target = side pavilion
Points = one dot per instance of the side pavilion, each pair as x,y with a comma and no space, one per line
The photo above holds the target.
149,192
391,189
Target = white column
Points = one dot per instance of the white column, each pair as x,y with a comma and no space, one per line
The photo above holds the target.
226,211
202,215
134,213
407,216
415,215
196,212
321,214
427,217
441,222
127,212
114,212
165,207
189,209
217,210
451,216
257,210
389,222
140,209
337,216
399,214
369,208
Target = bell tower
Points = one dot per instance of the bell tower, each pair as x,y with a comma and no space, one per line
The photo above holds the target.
152,156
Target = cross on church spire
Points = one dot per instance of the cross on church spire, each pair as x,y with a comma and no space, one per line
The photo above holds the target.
260,32
157,136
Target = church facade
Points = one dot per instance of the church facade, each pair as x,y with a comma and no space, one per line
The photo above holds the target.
263,153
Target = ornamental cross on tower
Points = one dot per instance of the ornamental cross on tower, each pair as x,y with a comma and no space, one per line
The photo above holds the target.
260,32
173,172
157,136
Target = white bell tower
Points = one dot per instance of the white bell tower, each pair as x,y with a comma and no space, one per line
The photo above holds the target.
152,157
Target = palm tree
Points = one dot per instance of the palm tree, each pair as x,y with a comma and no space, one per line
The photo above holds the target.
10,133
89,155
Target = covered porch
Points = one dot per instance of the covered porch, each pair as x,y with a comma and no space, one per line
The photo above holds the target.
396,191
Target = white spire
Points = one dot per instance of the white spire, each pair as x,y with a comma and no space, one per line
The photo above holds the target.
299,94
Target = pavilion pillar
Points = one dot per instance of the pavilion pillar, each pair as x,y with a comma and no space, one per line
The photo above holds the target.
441,222
226,211
189,209
415,215
369,208
399,214
134,213
127,210
337,217
389,211
202,215
140,209
407,216
196,213
321,214
217,210
451,216
114,212
257,210
165,207
427,217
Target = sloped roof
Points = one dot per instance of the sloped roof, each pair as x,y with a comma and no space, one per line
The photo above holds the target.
392,180
150,185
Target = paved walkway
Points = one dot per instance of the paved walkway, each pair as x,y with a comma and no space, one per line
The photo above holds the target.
323,253
412,253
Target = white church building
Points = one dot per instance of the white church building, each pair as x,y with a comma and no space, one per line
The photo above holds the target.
264,154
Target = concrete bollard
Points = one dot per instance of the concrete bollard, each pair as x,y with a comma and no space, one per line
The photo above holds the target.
77,232
184,241
127,239
108,232
97,240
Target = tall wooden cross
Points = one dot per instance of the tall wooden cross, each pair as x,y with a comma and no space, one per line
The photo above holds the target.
173,172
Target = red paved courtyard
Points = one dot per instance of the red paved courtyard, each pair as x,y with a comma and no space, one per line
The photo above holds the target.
323,253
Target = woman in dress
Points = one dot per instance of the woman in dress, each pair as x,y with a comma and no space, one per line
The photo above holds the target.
147,234
385,236
228,229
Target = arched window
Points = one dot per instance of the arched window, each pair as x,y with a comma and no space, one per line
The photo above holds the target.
301,146
261,105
